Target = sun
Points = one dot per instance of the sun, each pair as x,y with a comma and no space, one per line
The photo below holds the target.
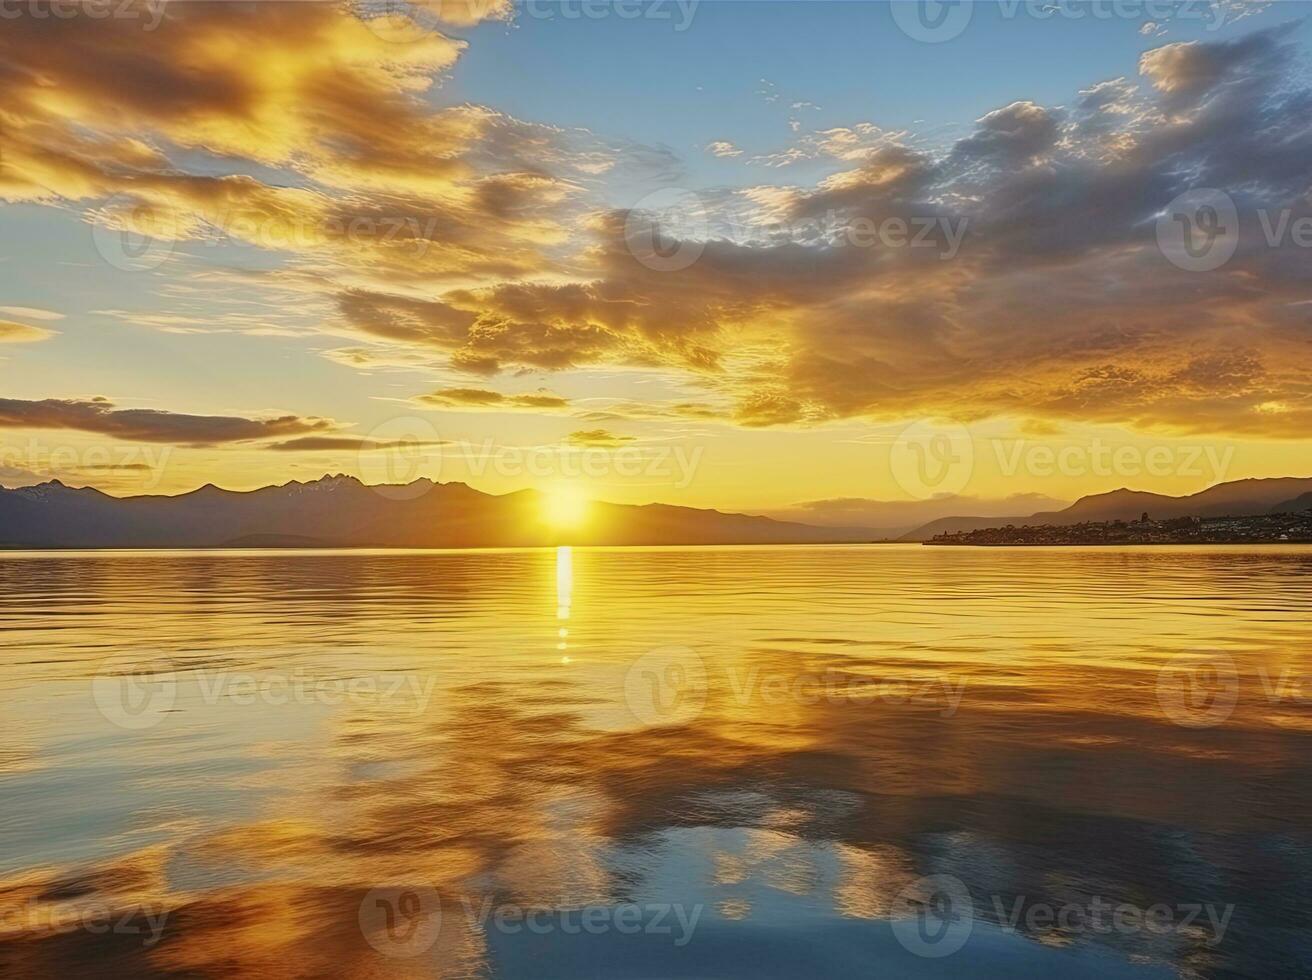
564,505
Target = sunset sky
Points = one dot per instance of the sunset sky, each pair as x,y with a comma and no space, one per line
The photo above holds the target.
369,227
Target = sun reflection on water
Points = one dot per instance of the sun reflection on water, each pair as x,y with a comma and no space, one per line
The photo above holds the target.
564,593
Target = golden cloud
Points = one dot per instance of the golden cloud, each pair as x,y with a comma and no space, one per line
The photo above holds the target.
1014,273
22,333
364,166
353,443
597,439
482,399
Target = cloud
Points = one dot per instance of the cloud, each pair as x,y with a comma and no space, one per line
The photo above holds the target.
597,439
31,313
22,333
352,443
467,13
774,405
1058,306
660,411
481,399
1188,71
99,415
335,101
1039,428
723,148
1012,136
334,157
848,143
453,237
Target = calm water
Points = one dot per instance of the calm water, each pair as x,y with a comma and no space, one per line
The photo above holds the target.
701,763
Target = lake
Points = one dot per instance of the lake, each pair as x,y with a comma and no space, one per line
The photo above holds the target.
883,761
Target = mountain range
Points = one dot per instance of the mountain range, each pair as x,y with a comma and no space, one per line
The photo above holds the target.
1239,498
340,511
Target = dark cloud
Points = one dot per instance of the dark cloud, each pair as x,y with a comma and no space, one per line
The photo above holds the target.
1012,136
99,415
352,443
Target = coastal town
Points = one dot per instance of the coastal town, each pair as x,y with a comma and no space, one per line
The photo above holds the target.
1288,528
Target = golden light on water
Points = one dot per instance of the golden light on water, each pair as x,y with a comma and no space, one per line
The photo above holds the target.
564,592
567,758
564,585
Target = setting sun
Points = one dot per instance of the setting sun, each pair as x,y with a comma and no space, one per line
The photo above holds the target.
564,506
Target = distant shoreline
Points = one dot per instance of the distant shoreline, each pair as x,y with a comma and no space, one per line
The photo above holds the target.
1258,529
1109,544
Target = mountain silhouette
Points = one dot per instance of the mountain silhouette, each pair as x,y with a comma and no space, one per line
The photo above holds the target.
1239,498
340,511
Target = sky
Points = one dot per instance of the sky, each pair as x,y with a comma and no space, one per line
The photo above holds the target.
845,262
